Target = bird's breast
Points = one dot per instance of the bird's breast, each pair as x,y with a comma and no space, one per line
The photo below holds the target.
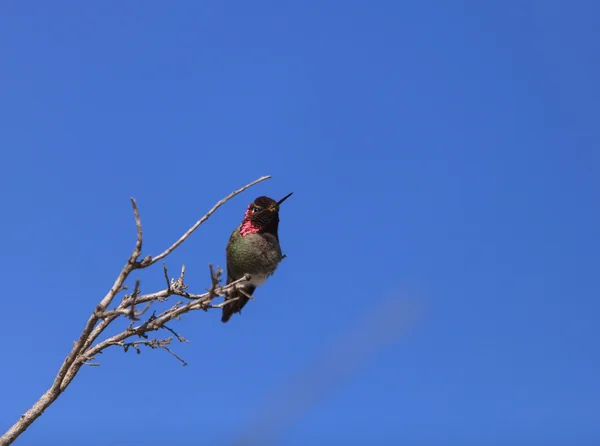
255,254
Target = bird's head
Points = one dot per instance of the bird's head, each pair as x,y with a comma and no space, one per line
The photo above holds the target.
262,215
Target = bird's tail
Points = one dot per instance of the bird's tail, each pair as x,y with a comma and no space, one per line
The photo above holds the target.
236,306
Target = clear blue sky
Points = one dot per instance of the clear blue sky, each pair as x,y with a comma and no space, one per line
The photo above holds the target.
446,152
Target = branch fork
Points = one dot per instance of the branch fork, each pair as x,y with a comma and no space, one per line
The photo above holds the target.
87,347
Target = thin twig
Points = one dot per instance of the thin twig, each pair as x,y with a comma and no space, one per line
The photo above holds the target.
222,304
138,225
174,354
177,335
203,219
167,276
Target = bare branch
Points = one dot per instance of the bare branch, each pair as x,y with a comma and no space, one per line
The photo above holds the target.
153,344
138,225
222,304
117,312
203,219
154,323
84,350
101,307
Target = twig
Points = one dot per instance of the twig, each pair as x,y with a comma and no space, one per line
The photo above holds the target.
242,291
179,337
167,276
170,249
138,225
157,322
176,356
222,304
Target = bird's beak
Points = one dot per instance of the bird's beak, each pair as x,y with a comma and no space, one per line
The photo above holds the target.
284,198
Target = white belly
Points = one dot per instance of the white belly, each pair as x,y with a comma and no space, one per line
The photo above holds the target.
258,279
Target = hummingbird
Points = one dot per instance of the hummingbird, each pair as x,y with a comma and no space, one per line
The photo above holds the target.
254,249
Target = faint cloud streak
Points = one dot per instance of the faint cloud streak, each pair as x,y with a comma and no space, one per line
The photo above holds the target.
329,371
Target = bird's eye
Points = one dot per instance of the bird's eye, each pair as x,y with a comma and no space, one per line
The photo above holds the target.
255,209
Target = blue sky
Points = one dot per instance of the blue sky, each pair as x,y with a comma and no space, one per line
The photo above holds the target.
443,153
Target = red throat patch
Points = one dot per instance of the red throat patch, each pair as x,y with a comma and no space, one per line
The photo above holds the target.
247,226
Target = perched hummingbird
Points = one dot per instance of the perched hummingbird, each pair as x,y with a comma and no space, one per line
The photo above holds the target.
253,248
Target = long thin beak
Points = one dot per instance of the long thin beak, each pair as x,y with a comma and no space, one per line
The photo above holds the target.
284,198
